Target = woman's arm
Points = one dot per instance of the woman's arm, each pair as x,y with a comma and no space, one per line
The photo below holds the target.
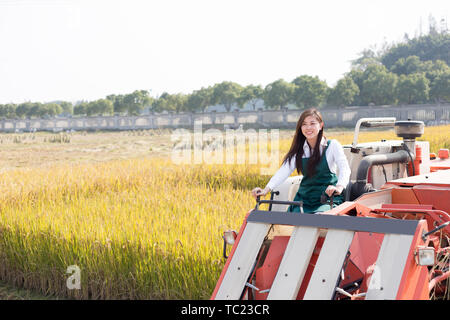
282,174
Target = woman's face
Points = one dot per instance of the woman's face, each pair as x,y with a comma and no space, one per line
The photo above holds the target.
311,127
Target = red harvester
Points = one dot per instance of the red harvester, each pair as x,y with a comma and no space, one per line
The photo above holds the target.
389,240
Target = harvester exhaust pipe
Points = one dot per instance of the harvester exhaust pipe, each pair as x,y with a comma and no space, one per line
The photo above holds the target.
409,131
361,186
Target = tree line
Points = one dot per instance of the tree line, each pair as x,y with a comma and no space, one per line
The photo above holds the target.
411,72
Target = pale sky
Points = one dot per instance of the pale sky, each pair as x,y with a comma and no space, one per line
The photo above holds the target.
73,50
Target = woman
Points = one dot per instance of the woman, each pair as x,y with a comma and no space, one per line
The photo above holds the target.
322,162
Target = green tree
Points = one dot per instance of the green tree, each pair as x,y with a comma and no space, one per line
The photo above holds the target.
92,108
171,102
344,93
440,87
24,109
51,109
199,99
136,101
8,111
413,88
358,77
278,94
179,101
378,86
309,91
411,64
161,103
366,57
434,46
226,93
101,107
37,111
80,109
67,107
434,68
251,94
119,105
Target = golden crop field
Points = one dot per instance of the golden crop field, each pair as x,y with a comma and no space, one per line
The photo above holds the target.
136,224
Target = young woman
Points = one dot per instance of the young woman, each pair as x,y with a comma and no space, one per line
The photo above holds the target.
322,162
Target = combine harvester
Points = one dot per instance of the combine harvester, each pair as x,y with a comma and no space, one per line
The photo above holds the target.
390,239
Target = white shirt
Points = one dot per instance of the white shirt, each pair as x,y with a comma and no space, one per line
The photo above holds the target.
337,163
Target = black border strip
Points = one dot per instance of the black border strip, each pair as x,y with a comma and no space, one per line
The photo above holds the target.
381,225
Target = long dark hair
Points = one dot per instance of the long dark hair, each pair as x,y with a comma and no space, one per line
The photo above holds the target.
299,140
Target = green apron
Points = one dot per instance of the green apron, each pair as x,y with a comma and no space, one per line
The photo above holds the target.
311,188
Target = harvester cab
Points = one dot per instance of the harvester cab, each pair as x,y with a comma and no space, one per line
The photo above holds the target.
390,239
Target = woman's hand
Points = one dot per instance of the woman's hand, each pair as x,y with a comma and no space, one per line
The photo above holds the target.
260,192
334,189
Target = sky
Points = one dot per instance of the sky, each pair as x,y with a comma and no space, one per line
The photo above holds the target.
85,50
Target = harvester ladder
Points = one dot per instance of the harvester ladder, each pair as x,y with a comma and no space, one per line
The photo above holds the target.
390,263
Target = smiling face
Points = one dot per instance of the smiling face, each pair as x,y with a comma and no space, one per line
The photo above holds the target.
311,127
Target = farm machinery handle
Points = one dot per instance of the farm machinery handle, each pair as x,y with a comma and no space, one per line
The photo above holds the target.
323,200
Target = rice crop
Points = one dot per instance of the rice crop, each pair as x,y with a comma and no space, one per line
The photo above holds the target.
137,229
